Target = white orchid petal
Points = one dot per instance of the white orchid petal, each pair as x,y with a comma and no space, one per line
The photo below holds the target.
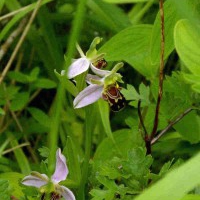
67,194
88,96
91,76
35,181
99,72
61,170
77,67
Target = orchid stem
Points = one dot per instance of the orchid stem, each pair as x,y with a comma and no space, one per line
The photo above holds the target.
88,143
161,74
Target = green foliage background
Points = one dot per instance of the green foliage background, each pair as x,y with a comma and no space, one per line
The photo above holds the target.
105,151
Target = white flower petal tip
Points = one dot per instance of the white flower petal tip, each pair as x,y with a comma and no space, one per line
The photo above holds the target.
78,67
90,77
35,181
88,96
67,194
99,72
61,170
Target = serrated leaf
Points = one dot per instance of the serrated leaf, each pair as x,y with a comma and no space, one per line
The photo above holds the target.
132,46
19,101
14,179
186,177
144,94
138,165
124,140
187,46
4,189
40,116
130,93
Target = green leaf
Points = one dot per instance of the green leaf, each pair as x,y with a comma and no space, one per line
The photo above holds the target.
73,160
4,190
45,83
132,46
124,139
13,178
1,4
18,76
19,155
189,127
187,45
186,177
2,112
104,114
191,197
40,116
125,1
130,93
137,165
19,101
113,16
171,17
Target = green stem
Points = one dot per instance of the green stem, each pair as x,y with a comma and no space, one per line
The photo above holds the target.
88,143
53,135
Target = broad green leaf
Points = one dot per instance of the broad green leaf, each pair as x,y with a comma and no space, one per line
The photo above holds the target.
132,46
187,44
171,17
14,179
172,14
189,127
176,184
191,197
40,116
19,101
125,1
124,141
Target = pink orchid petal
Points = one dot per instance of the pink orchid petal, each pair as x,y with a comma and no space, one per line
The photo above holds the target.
77,67
91,76
61,170
99,72
88,96
67,194
35,181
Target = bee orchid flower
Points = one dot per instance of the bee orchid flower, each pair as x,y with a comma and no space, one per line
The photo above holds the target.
38,180
90,60
105,87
